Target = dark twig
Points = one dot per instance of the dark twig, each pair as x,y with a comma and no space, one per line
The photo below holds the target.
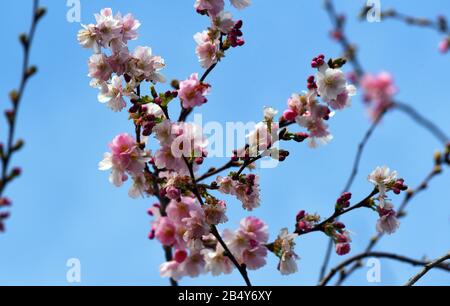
28,71
421,120
396,257
428,267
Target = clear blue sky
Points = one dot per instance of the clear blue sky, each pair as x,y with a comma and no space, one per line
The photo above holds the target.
65,208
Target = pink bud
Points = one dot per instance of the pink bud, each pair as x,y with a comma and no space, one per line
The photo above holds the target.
290,115
343,249
180,256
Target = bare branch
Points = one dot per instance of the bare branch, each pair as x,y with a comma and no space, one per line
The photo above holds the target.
435,264
392,256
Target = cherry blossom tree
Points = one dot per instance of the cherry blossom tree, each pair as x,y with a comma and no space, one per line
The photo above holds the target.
190,201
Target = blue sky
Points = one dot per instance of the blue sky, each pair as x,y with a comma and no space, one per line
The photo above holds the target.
65,208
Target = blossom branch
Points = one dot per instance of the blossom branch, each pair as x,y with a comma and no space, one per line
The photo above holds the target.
440,159
365,203
12,146
241,268
185,112
325,281
214,171
428,267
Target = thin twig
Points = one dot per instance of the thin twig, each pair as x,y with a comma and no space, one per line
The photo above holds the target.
421,120
16,97
396,257
435,264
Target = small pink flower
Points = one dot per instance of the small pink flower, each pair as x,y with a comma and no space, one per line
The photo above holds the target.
109,28
388,222
255,228
213,7
379,91
125,158
129,28
179,209
241,4
99,67
194,265
444,45
196,228
255,258
145,66
173,193
165,159
192,92
206,49
216,261
215,213
165,231
172,270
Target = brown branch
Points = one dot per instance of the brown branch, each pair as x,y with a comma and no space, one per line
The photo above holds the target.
215,171
428,267
365,203
16,98
421,120
396,257
440,24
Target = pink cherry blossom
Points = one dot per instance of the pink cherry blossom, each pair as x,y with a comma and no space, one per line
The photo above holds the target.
177,210
379,91
241,4
255,228
216,261
444,45
99,67
215,213
165,231
108,27
113,94
172,270
196,228
125,158
330,83
145,66
388,222
194,265
206,49
213,7
129,28
192,92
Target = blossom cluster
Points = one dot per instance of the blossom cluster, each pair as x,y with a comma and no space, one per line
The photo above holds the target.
223,34
330,84
386,180
118,75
